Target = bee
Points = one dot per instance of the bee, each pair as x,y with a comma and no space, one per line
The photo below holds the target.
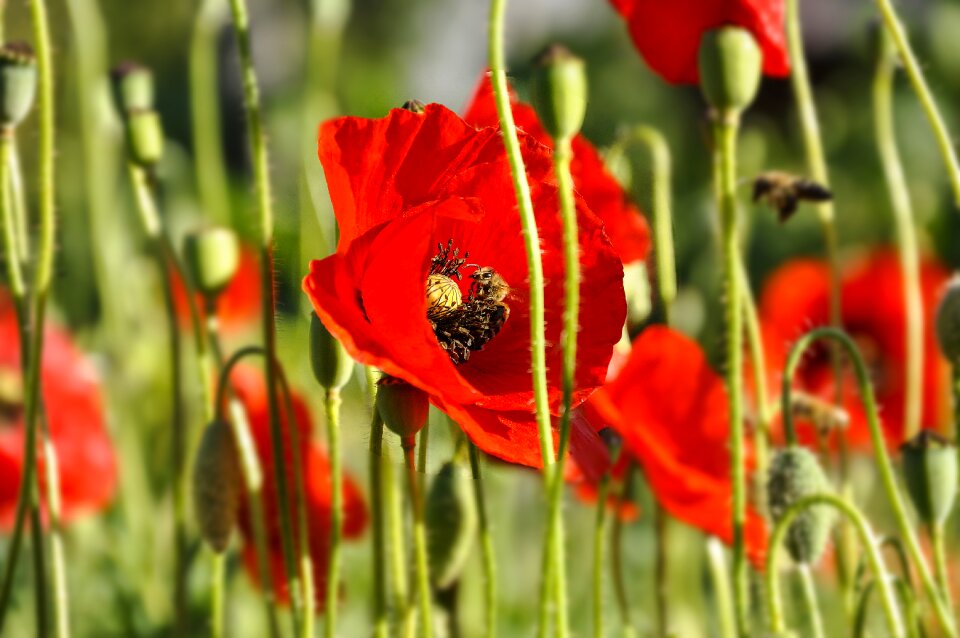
824,416
466,326
784,192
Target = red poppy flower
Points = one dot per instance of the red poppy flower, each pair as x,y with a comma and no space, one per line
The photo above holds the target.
671,410
667,33
238,306
404,188
71,394
251,389
625,224
796,298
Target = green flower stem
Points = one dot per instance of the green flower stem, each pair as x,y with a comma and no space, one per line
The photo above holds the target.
218,577
940,564
881,577
599,538
617,563
881,457
11,245
808,590
404,612
422,447
721,587
331,404
907,600
41,604
915,74
58,566
486,546
421,566
211,173
725,140
380,621
758,363
906,234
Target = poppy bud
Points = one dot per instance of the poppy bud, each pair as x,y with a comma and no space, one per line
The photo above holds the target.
730,67
930,474
948,321
144,137
560,92
794,474
402,407
211,255
451,519
331,364
18,82
216,485
132,87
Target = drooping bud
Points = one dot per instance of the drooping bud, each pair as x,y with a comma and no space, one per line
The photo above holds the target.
948,321
18,82
403,407
217,485
211,255
560,92
331,364
930,474
794,474
731,64
451,519
132,87
144,137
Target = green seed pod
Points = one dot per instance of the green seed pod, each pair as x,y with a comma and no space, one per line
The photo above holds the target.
132,87
930,474
731,64
217,485
211,256
18,82
451,520
560,92
948,321
403,407
331,364
794,474
144,137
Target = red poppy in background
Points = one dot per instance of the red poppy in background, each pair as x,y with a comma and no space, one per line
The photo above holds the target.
795,299
404,186
71,395
671,410
624,223
251,389
667,33
238,306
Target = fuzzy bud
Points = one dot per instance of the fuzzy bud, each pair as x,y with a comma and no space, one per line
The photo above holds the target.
144,137
731,65
794,474
403,407
930,474
331,364
18,82
132,87
211,255
560,92
948,321
451,520
217,485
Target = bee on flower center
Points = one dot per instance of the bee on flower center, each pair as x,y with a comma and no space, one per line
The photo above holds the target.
463,325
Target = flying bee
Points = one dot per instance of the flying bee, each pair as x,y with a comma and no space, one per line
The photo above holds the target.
824,416
443,296
784,192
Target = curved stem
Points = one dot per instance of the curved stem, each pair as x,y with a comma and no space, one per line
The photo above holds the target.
881,457
725,138
331,405
809,591
906,235
486,545
419,537
913,71
774,598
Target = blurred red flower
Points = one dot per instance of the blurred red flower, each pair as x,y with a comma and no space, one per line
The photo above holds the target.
403,187
622,220
71,397
795,299
249,385
238,306
671,410
667,34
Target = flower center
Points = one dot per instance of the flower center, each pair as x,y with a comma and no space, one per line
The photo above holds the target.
463,325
